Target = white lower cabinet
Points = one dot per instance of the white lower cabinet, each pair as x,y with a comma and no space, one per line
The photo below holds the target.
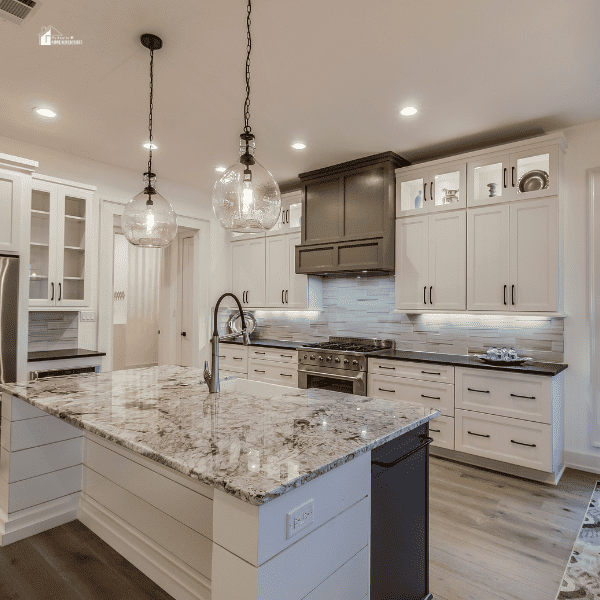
233,359
272,365
441,429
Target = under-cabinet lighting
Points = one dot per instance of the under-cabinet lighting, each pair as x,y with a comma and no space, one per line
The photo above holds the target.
408,111
45,112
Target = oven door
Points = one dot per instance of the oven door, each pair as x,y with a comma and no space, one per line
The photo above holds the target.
335,380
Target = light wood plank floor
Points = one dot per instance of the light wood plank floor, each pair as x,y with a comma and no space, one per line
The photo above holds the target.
493,537
496,537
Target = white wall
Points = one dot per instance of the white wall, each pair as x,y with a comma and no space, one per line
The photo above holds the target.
120,185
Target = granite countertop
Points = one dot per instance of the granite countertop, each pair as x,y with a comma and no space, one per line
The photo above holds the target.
61,354
459,360
253,448
283,344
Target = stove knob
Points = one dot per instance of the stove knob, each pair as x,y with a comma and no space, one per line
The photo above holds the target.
337,360
306,356
355,362
321,358
329,359
312,357
346,361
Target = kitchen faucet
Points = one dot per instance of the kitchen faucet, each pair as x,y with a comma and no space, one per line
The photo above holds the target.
212,377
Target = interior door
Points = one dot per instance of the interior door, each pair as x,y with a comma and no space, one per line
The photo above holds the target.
412,262
534,255
297,296
278,270
186,337
447,261
488,258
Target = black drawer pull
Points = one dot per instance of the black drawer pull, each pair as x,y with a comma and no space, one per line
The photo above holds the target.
286,356
284,375
430,373
384,390
478,434
480,391
430,397
237,358
426,441
390,368
256,352
523,444
436,430
222,356
527,397
257,371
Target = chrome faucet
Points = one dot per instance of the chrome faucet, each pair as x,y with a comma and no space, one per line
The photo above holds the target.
212,377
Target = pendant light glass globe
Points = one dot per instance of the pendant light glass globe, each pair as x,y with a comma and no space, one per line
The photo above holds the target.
149,220
246,199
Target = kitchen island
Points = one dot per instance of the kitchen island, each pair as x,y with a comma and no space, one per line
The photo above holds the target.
260,491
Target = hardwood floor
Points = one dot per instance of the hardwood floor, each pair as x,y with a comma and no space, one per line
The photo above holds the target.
493,537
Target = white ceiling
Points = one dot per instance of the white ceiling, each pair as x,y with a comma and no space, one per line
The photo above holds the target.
329,73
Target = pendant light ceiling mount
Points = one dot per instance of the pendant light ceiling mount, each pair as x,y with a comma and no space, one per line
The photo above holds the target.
151,41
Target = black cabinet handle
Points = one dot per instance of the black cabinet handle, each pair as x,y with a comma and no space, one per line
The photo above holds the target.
513,177
284,375
478,434
247,297
436,430
390,368
523,444
288,216
425,295
425,192
480,391
426,443
282,297
183,334
384,390
237,358
430,397
257,352
430,373
286,356
513,295
504,176
59,292
430,290
527,397
52,297
431,190
505,301
286,297
257,371
221,356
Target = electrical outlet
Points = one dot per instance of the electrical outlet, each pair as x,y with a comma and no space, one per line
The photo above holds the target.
300,518
87,315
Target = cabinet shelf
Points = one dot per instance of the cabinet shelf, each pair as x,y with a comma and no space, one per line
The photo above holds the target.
77,248
37,278
74,218
40,213
39,244
74,278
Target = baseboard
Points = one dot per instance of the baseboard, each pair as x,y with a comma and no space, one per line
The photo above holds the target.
583,462
500,467
25,523
165,569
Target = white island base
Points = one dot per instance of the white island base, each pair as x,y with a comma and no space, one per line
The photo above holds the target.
194,541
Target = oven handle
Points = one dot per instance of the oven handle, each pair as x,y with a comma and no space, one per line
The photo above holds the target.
320,374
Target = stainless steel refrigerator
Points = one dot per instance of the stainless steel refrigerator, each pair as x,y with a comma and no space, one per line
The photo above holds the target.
9,309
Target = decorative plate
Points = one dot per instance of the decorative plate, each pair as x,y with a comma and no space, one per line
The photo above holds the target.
235,322
533,181
492,361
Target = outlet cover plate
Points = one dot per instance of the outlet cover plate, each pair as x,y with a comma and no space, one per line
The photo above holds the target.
299,518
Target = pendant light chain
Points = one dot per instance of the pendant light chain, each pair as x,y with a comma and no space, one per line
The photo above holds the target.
150,115
247,128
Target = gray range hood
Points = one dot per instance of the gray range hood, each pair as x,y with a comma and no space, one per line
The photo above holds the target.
348,217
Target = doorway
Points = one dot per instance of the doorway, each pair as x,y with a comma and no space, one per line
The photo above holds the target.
188,333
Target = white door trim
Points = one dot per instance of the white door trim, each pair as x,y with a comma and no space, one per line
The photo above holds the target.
108,210
593,283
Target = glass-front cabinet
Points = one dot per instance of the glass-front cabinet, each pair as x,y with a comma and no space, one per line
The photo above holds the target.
522,175
438,188
59,265
290,219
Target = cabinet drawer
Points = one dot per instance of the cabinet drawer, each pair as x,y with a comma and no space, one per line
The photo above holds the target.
401,368
427,393
223,374
278,355
506,394
501,438
441,429
273,372
233,358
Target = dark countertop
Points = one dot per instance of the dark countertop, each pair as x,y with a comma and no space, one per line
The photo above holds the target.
62,354
459,360
282,344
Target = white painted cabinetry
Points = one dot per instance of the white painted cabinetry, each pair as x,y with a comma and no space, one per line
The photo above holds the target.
248,271
291,214
273,365
13,187
233,360
430,262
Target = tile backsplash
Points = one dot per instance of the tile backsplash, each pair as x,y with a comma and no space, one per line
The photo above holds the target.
364,307
52,331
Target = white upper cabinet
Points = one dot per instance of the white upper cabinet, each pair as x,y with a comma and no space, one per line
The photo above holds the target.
248,271
61,244
277,270
290,219
412,262
432,189
518,175
13,186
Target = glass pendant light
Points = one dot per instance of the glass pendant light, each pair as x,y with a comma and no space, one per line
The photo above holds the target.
247,199
149,220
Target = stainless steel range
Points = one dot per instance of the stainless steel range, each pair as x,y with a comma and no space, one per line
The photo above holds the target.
339,364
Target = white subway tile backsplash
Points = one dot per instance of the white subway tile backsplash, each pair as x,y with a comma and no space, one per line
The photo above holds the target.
52,331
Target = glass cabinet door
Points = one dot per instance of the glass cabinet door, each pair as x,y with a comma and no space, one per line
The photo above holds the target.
447,187
534,173
290,219
412,193
489,180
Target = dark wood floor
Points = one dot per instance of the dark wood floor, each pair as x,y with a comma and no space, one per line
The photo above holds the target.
493,537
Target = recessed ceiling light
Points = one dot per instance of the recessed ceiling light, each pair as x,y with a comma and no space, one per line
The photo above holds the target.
298,146
220,169
408,111
45,112
150,146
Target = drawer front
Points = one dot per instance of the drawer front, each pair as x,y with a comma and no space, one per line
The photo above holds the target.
525,397
274,354
401,368
501,438
223,374
427,393
233,358
273,372
441,429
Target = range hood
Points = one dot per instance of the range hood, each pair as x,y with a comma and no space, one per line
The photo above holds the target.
348,217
